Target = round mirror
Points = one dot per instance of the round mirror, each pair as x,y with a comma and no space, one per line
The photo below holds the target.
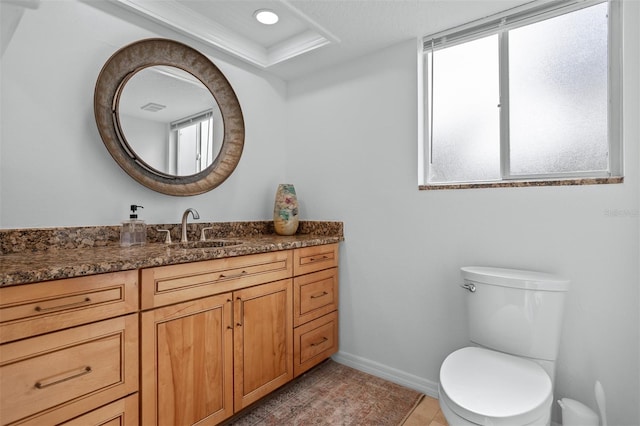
169,117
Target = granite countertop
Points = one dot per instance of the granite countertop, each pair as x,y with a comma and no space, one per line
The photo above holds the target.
70,252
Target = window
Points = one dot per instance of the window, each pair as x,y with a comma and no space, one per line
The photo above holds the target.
532,95
193,138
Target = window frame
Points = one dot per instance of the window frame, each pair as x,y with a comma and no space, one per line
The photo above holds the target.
501,24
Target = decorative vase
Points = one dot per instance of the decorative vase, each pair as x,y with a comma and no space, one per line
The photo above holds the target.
285,210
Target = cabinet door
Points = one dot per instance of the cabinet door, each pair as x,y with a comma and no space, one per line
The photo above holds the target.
263,340
187,362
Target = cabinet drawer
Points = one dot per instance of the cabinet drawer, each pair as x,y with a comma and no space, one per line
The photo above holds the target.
314,342
316,258
32,309
166,285
314,295
60,375
123,412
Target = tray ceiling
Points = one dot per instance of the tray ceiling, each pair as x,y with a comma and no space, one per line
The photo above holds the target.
231,26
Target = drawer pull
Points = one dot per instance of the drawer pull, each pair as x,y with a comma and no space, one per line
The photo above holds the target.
316,296
324,339
232,276
318,259
42,384
68,305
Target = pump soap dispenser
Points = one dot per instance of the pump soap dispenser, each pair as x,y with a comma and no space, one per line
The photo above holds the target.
133,231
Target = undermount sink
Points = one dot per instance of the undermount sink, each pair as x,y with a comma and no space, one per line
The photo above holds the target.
206,244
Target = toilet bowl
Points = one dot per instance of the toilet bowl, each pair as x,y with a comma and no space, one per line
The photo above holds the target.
479,386
507,377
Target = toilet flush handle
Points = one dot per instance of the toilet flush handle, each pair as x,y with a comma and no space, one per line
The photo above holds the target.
469,286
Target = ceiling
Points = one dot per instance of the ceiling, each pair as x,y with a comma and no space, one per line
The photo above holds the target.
311,34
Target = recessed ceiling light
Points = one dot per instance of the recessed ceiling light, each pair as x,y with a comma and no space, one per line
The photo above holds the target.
266,16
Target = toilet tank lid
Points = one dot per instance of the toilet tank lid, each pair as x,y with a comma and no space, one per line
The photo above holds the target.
515,278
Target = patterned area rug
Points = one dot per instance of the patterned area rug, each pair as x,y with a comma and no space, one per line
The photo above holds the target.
334,394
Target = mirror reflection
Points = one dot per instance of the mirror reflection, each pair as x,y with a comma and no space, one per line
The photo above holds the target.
169,119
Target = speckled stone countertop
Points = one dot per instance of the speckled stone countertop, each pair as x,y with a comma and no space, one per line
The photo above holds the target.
32,255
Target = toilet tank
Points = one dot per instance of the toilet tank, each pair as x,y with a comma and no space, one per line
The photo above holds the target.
515,311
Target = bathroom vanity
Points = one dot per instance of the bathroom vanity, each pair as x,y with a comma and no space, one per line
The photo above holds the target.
187,335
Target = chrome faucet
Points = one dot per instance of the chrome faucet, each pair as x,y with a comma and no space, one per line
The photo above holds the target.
195,215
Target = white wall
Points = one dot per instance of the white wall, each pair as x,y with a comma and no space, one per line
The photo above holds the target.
55,170
351,146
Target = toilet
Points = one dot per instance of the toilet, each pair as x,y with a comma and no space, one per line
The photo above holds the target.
506,376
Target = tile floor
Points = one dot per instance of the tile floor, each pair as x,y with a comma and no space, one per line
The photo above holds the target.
427,413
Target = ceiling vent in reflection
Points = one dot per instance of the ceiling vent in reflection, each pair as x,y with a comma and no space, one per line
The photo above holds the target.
153,107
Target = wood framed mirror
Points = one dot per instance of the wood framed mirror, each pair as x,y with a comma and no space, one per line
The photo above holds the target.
169,117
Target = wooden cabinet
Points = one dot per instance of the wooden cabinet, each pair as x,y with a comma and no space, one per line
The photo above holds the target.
187,362
48,377
202,340
206,358
263,341
315,295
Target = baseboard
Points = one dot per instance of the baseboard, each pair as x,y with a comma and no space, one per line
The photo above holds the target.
388,373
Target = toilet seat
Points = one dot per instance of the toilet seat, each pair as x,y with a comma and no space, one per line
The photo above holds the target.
488,387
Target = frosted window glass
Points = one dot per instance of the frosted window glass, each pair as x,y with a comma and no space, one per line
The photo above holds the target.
558,94
466,127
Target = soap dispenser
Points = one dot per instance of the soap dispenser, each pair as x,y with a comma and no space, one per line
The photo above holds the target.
133,231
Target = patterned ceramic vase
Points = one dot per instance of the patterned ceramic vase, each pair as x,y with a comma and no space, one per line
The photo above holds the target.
285,210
